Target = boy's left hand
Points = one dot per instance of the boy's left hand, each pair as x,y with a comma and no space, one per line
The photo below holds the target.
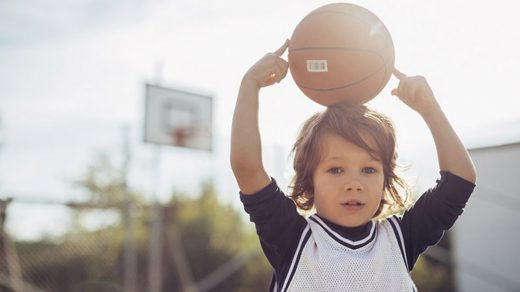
415,92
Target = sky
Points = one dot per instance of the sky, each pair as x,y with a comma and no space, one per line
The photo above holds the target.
72,76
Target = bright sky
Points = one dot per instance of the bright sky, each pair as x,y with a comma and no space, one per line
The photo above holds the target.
72,75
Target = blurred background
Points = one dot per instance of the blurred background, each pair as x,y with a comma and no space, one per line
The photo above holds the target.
87,203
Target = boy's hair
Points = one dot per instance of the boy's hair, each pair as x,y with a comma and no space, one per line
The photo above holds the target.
362,127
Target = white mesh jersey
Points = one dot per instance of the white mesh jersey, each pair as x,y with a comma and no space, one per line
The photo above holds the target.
326,261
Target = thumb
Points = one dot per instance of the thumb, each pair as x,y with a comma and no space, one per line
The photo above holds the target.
394,92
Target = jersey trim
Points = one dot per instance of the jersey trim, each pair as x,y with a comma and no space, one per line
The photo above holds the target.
342,240
303,240
399,236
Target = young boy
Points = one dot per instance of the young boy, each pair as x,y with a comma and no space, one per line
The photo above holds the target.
345,169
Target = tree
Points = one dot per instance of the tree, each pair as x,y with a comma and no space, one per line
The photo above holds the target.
211,234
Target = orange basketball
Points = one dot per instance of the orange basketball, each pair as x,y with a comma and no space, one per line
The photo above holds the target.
341,53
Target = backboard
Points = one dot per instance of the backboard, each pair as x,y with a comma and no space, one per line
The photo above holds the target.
178,118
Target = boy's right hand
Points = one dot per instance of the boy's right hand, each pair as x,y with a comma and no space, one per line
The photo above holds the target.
270,69
415,92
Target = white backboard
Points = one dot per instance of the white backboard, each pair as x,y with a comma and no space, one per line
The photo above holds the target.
178,118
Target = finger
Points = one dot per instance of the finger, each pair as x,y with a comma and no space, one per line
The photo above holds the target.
269,82
274,77
281,64
415,87
402,87
284,73
282,49
410,90
398,74
417,92
395,92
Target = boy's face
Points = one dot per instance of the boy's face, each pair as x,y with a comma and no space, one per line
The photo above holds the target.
348,182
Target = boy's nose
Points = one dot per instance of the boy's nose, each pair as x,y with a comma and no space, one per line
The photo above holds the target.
349,188
353,185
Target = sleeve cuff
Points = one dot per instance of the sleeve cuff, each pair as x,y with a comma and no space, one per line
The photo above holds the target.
454,188
261,195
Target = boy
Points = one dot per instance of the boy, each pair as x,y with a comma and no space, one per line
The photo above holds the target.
345,168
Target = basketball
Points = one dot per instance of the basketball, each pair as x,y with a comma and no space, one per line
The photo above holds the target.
341,52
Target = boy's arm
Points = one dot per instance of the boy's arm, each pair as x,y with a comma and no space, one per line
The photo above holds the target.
453,157
246,150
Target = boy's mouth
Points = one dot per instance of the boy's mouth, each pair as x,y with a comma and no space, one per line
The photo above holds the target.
352,203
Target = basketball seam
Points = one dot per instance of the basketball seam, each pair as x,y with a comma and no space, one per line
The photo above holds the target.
350,84
334,48
382,83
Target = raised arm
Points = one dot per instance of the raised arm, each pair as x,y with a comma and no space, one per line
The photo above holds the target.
246,148
453,157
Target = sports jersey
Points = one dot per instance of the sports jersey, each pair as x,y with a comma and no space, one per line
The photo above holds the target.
314,254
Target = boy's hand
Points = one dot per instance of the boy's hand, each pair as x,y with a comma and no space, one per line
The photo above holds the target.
270,69
415,92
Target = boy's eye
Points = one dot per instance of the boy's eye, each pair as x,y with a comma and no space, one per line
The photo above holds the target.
368,170
335,170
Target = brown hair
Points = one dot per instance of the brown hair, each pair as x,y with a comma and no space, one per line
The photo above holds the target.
355,124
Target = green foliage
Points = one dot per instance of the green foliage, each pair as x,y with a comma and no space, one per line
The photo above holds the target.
430,276
213,234
84,259
102,182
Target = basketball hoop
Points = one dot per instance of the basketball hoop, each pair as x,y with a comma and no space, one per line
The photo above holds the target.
180,136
